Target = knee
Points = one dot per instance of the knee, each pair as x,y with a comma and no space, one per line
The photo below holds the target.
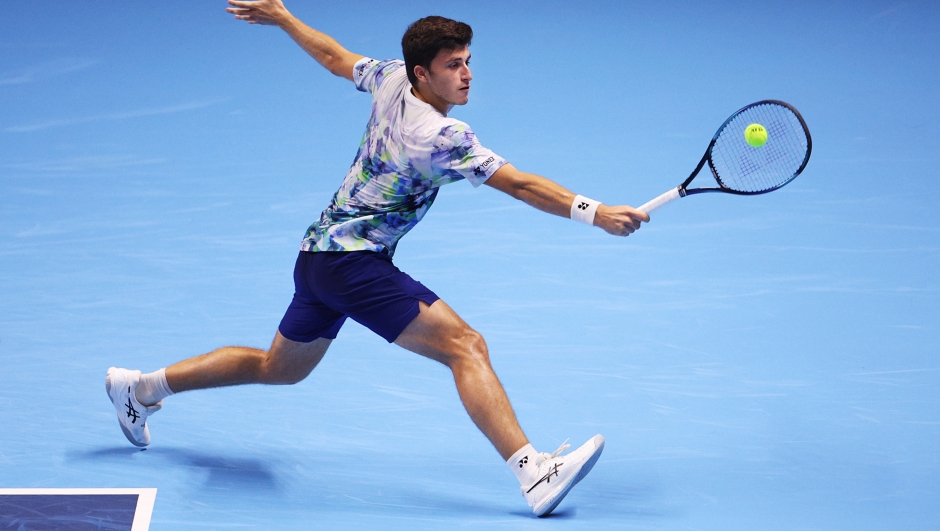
471,347
273,373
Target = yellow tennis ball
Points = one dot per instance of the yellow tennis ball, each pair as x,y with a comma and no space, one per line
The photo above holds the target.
755,134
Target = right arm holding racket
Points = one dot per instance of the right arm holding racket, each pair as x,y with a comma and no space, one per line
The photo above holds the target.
549,196
760,148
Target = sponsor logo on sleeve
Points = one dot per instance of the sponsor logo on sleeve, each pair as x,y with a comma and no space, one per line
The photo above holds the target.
481,169
361,70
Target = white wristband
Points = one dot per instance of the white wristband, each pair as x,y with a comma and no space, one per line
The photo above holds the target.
583,209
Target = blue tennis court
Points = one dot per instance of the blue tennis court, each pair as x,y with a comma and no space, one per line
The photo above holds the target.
766,362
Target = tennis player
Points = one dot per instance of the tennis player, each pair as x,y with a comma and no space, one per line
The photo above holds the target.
410,149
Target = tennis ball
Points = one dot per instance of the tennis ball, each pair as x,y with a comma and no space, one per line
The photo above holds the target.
755,134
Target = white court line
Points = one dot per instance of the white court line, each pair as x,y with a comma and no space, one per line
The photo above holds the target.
145,500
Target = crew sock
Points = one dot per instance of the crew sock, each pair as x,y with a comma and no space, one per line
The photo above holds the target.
523,464
153,388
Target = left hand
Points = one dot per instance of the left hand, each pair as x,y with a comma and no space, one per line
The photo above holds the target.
619,220
267,12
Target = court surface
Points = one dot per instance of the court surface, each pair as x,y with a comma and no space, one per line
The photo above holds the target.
754,363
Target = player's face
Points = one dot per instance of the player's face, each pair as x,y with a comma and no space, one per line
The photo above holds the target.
449,76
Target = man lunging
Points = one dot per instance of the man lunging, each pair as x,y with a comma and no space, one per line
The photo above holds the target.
410,149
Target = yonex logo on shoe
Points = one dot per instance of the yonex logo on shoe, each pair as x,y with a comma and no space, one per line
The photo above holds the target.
523,461
131,412
583,206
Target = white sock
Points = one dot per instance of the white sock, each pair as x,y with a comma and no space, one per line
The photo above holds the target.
523,465
152,388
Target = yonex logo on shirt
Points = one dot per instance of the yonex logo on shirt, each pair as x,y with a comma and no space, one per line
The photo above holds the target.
364,66
481,169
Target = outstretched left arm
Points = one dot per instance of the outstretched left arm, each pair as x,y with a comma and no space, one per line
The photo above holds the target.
329,53
549,196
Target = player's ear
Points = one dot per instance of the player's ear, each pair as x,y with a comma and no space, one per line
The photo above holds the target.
421,73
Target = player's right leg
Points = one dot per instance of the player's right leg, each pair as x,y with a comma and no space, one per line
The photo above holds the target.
440,334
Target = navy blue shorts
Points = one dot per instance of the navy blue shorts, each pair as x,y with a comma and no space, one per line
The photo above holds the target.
364,285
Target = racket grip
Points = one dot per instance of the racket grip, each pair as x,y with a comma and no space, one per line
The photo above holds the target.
667,197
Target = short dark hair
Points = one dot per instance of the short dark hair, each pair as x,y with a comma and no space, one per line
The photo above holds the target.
425,37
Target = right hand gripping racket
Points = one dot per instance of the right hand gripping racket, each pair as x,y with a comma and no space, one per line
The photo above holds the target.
742,168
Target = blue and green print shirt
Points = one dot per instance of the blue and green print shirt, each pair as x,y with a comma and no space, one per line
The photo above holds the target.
408,152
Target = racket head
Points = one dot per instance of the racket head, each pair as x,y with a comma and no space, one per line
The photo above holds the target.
741,168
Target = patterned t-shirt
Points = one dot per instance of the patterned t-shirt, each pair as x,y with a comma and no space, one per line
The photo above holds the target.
408,152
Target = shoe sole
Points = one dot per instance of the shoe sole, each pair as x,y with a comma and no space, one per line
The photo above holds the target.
577,479
107,390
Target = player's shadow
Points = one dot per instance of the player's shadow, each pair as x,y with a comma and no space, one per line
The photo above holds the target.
558,514
226,471
120,453
221,471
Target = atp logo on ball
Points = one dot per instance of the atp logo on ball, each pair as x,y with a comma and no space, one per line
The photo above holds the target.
755,135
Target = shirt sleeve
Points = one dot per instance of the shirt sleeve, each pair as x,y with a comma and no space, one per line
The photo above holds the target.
457,155
368,74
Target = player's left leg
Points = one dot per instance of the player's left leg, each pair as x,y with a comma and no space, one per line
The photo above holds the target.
286,362
303,336
136,396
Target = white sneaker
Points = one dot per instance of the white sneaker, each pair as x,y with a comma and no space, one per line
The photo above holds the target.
557,474
121,385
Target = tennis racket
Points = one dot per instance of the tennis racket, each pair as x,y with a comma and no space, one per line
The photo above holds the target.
746,168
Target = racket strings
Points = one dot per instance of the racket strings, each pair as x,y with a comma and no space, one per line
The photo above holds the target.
760,168
745,168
